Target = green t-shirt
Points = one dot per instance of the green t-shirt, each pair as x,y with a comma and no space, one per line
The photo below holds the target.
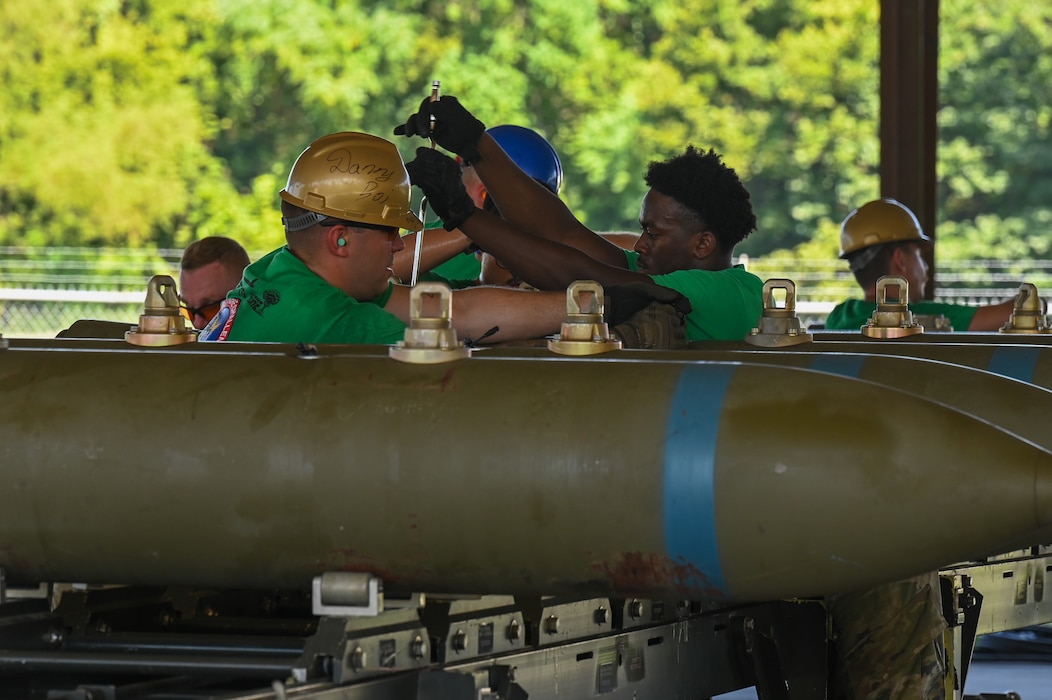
463,267
279,300
727,304
852,314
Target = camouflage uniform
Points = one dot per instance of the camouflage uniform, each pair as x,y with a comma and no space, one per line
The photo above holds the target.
659,326
889,641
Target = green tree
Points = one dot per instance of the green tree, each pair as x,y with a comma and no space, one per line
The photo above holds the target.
787,91
100,122
150,123
195,113
546,64
995,157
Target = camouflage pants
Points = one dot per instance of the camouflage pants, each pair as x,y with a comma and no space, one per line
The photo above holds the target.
657,327
889,642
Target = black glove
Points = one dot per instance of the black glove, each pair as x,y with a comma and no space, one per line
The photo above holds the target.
456,129
623,301
438,176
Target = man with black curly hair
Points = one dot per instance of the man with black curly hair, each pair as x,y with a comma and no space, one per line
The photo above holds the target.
694,214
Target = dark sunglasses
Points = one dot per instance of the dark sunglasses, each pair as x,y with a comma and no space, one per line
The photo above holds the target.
206,311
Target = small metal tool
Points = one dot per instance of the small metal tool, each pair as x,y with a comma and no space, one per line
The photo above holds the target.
423,202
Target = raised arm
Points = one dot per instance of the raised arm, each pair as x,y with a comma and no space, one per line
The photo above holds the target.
527,204
532,208
544,263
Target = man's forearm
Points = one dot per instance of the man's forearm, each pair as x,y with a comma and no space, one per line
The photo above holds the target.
498,314
491,314
439,245
524,202
543,263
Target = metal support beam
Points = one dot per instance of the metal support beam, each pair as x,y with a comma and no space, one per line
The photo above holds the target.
909,50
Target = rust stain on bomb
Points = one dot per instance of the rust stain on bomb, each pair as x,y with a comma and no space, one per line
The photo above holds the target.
643,573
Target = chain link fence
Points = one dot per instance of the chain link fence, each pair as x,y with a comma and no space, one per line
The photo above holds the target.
43,291
44,319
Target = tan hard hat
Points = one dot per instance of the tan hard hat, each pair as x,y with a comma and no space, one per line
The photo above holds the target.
878,222
351,176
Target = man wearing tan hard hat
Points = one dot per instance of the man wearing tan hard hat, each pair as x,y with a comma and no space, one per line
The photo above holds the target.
882,238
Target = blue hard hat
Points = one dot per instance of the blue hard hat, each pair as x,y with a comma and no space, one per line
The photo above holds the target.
531,152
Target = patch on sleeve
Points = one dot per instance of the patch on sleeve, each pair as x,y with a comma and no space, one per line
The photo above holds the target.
219,327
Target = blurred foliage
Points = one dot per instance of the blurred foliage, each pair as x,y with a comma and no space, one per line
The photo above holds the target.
995,156
149,123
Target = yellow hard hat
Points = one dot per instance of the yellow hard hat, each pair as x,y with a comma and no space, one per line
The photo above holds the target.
878,222
351,176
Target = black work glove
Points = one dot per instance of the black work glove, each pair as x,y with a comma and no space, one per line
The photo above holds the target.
438,176
456,129
623,301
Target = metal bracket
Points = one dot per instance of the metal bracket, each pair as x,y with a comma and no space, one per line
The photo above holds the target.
430,339
161,323
892,319
778,326
584,332
347,594
961,604
1028,315
10,593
